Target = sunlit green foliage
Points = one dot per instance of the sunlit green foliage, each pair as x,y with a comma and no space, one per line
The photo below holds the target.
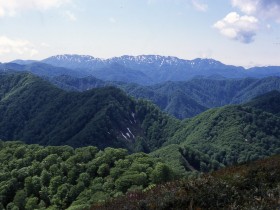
37,177
232,134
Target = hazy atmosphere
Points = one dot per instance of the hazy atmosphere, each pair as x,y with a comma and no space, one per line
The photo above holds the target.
232,31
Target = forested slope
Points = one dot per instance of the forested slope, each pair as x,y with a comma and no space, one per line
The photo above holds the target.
34,111
225,136
183,99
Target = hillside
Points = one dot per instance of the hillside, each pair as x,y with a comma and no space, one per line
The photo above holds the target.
268,102
34,111
225,136
37,177
184,99
120,73
251,186
232,134
207,93
69,83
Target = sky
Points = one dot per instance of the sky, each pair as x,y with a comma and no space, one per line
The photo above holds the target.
237,32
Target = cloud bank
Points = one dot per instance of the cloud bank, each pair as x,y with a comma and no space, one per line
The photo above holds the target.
13,7
236,27
18,46
257,13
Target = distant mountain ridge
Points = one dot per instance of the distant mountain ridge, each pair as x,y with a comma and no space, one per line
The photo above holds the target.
157,68
152,69
83,61
40,69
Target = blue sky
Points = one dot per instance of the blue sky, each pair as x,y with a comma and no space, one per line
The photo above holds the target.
239,32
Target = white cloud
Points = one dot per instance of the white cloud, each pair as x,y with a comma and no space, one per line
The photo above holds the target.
236,27
199,6
13,7
69,15
263,9
258,14
16,46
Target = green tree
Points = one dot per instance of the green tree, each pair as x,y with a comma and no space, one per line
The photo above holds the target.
20,199
45,178
103,170
31,203
161,173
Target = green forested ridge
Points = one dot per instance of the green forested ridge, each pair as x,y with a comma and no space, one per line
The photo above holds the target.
60,177
231,134
34,111
188,99
225,136
184,99
251,186
69,83
268,102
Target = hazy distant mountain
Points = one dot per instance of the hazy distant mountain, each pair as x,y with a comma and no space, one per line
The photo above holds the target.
264,71
152,69
69,83
75,61
118,72
42,69
156,68
23,62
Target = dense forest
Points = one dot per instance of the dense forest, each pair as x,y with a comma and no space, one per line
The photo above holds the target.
60,177
35,111
81,148
182,99
225,136
107,117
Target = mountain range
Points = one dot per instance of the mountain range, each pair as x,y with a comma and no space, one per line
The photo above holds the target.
143,69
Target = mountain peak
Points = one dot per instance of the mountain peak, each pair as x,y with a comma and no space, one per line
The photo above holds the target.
73,57
154,60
